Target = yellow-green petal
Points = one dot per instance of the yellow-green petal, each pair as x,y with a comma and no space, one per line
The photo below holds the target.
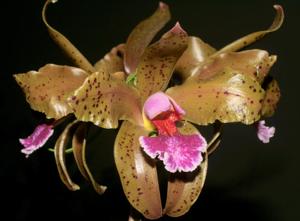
104,101
271,99
254,63
253,37
142,35
79,150
158,61
47,89
137,171
229,96
113,61
185,188
196,52
59,153
75,55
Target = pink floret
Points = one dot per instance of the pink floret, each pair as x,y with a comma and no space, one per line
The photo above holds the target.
264,133
37,139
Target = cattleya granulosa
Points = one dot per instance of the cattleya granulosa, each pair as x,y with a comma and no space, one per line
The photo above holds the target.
131,83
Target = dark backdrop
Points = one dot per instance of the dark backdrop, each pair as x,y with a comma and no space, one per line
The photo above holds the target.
246,180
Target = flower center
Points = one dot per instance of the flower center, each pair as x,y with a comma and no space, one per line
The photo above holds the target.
165,123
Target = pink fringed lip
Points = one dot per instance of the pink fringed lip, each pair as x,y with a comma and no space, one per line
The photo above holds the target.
37,139
264,133
178,152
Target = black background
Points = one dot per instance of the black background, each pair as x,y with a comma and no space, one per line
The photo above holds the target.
246,180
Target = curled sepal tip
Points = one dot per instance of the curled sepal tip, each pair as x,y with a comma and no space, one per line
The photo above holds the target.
59,153
253,37
79,150
76,56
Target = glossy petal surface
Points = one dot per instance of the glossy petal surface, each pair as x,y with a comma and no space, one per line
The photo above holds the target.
228,97
142,35
112,61
104,101
158,62
196,52
185,188
137,171
254,63
47,89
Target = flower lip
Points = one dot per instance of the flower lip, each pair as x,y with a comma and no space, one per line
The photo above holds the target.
180,153
37,139
264,133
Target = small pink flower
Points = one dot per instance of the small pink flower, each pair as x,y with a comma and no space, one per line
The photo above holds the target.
264,132
37,139
177,151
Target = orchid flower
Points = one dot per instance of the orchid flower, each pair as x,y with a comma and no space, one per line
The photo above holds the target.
178,152
219,86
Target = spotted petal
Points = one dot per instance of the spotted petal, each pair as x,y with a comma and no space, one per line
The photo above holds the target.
185,188
113,62
75,55
142,35
137,171
104,100
271,99
59,153
196,52
255,63
47,89
158,62
251,38
230,96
